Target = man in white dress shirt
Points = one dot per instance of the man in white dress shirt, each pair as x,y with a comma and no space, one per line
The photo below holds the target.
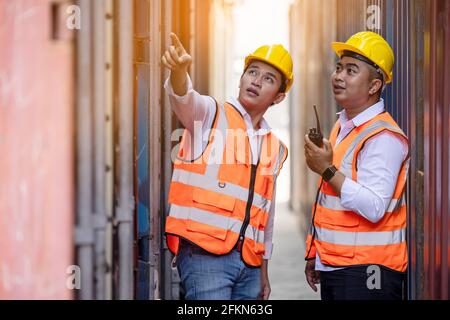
365,190
264,83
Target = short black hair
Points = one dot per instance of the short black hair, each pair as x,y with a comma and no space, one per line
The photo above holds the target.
376,74
283,85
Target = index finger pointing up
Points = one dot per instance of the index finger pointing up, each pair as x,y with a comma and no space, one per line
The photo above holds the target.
176,42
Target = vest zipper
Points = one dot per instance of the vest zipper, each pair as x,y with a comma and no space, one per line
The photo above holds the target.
248,207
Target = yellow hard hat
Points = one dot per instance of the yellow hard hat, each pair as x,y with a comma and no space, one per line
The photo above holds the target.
278,57
371,46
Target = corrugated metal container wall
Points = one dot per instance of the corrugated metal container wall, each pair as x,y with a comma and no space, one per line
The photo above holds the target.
221,41
153,22
123,146
36,143
417,99
93,230
170,279
312,27
118,153
154,123
351,18
415,134
436,108
400,100
103,230
400,31
144,113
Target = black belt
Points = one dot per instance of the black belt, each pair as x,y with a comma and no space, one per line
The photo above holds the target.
192,247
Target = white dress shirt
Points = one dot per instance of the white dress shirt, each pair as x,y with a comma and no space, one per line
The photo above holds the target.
194,109
379,163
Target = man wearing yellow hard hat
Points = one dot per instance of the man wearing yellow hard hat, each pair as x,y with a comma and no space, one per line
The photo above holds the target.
356,246
222,193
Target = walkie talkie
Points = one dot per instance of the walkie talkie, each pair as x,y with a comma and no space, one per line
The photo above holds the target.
315,135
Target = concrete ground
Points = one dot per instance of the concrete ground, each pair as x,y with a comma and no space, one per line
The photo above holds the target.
286,268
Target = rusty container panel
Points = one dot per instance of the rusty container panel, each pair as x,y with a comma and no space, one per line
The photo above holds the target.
36,159
350,18
436,146
141,154
414,129
402,101
419,101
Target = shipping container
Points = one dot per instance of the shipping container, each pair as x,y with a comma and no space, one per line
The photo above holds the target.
36,150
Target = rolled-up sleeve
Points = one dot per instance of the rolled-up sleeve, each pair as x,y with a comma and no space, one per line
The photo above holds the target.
362,200
192,106
196,112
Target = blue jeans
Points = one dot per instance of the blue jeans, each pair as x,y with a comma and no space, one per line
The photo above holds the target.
205,276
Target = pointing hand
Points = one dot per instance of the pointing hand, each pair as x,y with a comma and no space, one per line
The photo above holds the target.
176,58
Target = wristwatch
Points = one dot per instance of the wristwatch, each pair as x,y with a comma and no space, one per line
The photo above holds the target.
329,173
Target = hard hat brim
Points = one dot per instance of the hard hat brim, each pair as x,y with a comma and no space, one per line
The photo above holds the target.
249,59
340,47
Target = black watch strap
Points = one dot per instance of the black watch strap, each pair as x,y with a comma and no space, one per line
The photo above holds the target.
329,173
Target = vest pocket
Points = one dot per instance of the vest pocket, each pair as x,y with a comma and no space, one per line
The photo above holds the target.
210,213
331,248
258,246
336,232
394,219
268,182
331,255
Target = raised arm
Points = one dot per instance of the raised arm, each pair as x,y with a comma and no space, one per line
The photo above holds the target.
178,61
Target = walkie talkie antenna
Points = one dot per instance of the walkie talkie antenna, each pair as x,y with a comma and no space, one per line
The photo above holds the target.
317,119
315,135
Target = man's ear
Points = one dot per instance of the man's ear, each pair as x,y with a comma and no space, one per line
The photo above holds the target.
375,86
280,97
240,81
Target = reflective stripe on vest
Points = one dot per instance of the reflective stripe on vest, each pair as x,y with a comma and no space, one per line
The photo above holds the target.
346,163
345,238
334,203
215,220
229,189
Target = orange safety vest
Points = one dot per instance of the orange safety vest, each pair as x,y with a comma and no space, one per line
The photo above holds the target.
222,200
345,238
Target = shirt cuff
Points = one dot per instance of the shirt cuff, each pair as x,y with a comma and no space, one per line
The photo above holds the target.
349,191
169,89
268,250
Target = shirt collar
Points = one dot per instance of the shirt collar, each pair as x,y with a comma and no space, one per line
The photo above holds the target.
364,116
264,127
